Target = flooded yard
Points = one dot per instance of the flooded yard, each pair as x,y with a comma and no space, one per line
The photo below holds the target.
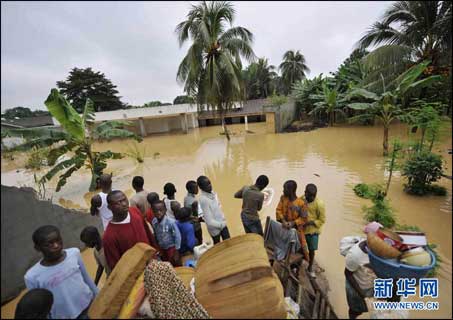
335,159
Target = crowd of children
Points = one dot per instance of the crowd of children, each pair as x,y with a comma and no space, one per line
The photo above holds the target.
59,285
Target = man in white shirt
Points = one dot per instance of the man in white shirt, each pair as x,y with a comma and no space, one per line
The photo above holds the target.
213,215
99,201
359,279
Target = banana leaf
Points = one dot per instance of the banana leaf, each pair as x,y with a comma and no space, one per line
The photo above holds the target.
359,106
63,165
88,113
38,142
408,77
78,163
69,119
361,93
55,153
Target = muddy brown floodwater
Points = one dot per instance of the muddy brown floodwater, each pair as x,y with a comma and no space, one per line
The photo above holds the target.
335,159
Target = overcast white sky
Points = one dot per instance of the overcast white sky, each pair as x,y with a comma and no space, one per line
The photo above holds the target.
134,44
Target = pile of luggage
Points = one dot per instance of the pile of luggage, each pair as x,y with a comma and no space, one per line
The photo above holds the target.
232,279
399,254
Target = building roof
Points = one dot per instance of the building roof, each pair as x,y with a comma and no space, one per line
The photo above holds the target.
30,122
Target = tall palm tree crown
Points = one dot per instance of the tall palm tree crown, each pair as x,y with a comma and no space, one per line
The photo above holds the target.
293,68
211,69
408,33
259,77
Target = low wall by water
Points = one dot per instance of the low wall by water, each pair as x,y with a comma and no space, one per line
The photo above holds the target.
22,213
282,117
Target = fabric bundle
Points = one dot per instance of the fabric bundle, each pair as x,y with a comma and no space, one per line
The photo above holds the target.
169,298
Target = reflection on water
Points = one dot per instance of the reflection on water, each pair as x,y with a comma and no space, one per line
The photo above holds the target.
335,159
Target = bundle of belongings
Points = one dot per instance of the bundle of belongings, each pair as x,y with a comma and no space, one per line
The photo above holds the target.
280,238
141,287
398,254
225,278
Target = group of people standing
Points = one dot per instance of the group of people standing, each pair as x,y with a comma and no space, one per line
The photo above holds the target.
306,214
173,229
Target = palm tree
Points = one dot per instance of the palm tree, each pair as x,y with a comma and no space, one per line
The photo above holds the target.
259,79
77,137
293,68
408,33
385,106
211,69
303,91
330,101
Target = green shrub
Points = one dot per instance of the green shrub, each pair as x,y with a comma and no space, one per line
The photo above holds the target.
380,212
437,190
422,169
37,158
366,191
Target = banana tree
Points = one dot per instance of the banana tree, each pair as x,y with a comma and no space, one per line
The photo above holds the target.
386,106
77,137
330,102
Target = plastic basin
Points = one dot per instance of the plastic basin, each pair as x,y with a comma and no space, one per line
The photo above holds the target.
385,268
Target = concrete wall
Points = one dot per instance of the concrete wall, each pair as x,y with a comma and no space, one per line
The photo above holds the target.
22,214
283,116
286,115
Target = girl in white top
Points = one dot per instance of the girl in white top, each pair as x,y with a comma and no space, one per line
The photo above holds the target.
169,191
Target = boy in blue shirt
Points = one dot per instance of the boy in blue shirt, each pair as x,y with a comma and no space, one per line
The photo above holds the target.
167,234
186,229
63,273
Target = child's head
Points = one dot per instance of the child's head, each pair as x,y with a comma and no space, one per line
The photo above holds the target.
159,209
35,304
204,183
47,240
175,206
152,197
105,181
310,192
90,236
262,181
137,183
289,188
96,202
183,214
192,187
169,189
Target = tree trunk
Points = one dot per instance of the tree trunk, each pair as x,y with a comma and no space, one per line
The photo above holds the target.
331,119
392,164
422,140
93,183
386,140
225,129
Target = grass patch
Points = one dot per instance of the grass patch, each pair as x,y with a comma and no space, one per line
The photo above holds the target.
368,191
37,158
133,151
